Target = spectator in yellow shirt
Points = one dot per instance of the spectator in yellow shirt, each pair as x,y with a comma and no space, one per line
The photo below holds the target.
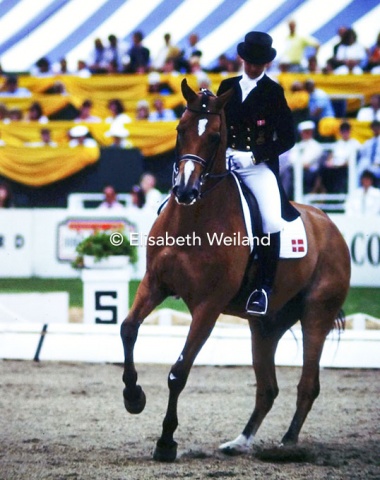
294,53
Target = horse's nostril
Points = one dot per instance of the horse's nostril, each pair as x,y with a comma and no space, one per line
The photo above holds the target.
186,197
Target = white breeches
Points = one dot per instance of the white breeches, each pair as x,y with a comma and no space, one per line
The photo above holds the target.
263,184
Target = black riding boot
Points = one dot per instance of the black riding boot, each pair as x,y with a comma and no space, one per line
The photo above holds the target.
257,303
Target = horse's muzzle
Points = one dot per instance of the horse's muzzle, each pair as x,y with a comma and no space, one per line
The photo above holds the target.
185,196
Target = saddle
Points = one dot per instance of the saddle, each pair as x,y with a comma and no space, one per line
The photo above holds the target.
293,235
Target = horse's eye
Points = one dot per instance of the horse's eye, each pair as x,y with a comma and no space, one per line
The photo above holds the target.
215,137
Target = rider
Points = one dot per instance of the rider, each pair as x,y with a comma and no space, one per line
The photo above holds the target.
260,128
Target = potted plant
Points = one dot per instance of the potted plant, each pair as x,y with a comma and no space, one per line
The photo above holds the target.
104,249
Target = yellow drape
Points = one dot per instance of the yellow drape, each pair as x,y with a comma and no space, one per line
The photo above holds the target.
43,165
357,88
100,89
151,138
132,88
360,130
49,103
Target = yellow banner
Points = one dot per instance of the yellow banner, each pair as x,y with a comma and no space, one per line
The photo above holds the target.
151,138
130,88
27,165
43,165
329,127
356,89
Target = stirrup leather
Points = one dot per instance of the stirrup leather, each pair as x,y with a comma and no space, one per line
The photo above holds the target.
257,303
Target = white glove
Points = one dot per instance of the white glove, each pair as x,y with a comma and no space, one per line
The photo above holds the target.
239,160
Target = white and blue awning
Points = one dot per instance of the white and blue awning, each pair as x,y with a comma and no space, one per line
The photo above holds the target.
31,29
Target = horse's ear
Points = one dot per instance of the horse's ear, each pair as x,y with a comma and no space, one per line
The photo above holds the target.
187,92
223,99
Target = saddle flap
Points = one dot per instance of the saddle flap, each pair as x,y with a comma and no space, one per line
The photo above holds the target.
293,235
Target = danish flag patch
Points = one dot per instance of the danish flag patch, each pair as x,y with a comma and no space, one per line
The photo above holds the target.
260,123
298,245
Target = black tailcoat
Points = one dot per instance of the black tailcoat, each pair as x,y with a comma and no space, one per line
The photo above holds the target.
262,124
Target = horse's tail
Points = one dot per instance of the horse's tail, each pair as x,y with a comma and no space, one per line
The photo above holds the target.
340,322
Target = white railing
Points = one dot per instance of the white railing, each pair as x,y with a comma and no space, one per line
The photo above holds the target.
325,201
76,201
329,202
229,344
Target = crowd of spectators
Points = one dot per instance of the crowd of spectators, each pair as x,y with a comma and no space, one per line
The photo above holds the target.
144,197
296,53
326,166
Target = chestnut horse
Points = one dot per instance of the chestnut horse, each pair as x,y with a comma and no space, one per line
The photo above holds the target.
216,279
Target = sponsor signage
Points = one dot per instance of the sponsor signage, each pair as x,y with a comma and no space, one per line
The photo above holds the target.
72,231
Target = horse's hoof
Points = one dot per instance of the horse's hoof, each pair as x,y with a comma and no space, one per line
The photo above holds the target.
240,446
135,404
288,440
165,453
233,450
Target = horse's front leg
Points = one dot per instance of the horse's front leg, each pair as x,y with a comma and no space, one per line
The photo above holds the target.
201,327
147,298
263,352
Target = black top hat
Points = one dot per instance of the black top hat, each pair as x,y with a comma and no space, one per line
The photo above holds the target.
257,48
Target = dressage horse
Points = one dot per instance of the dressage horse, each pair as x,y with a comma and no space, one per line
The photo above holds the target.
215,279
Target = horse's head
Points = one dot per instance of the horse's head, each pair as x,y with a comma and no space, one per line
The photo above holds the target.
201,142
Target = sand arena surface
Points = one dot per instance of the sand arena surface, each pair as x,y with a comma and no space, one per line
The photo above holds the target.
65,421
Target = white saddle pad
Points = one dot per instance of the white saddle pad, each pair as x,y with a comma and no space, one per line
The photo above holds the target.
293,239
293,234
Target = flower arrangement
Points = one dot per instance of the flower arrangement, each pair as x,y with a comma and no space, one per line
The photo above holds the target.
101,245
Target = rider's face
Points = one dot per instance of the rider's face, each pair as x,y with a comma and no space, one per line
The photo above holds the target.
252,70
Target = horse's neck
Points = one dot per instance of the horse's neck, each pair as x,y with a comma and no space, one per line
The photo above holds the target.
219,166
216,212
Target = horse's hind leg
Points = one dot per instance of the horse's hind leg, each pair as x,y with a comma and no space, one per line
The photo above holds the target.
316,324
263,352
147,298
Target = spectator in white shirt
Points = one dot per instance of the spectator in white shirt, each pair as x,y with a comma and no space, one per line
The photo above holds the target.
35,113
160,113
167,51
339,167
371,112
153,197
10,88
349,67
366,199
118,114
350,50
307,154
85,113
369,158
110,201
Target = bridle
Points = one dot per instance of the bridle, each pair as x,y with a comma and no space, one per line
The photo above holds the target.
206,165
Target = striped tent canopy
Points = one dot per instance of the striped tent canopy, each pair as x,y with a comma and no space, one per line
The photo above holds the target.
55,29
